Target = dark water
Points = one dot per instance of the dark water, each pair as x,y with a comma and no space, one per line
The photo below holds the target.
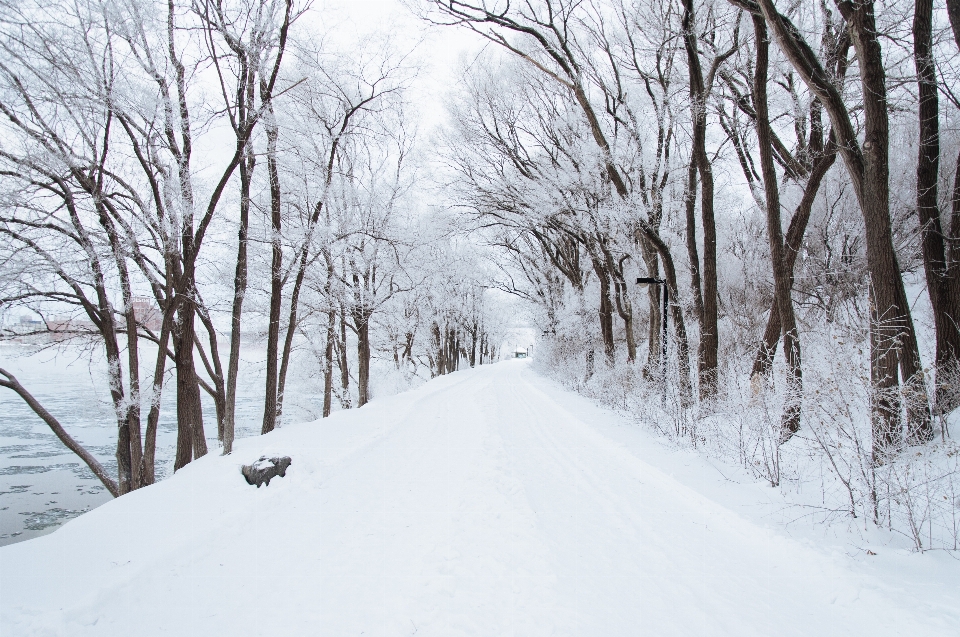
43,484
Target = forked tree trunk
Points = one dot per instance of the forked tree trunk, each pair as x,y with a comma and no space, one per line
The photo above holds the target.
782,279
763,362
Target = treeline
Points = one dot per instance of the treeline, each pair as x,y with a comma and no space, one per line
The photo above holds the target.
696,142
176,174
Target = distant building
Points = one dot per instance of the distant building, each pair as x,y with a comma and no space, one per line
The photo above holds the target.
146,312
30,322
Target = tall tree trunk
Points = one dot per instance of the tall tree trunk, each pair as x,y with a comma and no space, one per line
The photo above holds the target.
276,275
709,336
291,331
133,400
893,333
623,304
438,348
247,165
782,279
943,285
473,345
893,338
625,310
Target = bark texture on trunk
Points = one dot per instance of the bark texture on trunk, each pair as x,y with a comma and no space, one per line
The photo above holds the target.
239,293
943,282
653,365
361,320
763,362
605,311
693,253
189,407
148,463
276,277
893,339
782,274
709,335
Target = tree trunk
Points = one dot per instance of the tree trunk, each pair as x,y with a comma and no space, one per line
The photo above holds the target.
605,310
693,253
328,363
892,332
943,284
147,472
790,421
361,319
239,293
276,280
654,325
676,314
291,331
709,336
343,363
893,338
189,407
763,362
473,345
624,307
331,337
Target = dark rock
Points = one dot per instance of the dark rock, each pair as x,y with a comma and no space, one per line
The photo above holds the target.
264,469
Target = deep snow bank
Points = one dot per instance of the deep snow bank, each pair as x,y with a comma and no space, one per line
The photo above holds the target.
487,502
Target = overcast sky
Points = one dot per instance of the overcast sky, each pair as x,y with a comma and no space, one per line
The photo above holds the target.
439,49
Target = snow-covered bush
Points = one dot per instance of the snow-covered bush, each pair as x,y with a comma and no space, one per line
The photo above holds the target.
915,493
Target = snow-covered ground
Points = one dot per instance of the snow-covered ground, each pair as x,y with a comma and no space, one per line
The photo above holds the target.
487,502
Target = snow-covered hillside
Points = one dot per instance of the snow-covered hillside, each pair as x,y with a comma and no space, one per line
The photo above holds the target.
488,502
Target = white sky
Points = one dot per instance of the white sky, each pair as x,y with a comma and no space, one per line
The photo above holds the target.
440,49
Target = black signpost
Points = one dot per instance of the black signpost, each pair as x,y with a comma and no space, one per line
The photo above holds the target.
646,280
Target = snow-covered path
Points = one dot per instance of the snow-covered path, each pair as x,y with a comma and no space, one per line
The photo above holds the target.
481,504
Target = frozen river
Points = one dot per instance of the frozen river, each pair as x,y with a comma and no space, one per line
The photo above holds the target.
43,484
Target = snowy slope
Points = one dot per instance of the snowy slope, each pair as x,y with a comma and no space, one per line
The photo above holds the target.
488,502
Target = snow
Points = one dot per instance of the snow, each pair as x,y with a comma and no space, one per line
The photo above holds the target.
486,502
